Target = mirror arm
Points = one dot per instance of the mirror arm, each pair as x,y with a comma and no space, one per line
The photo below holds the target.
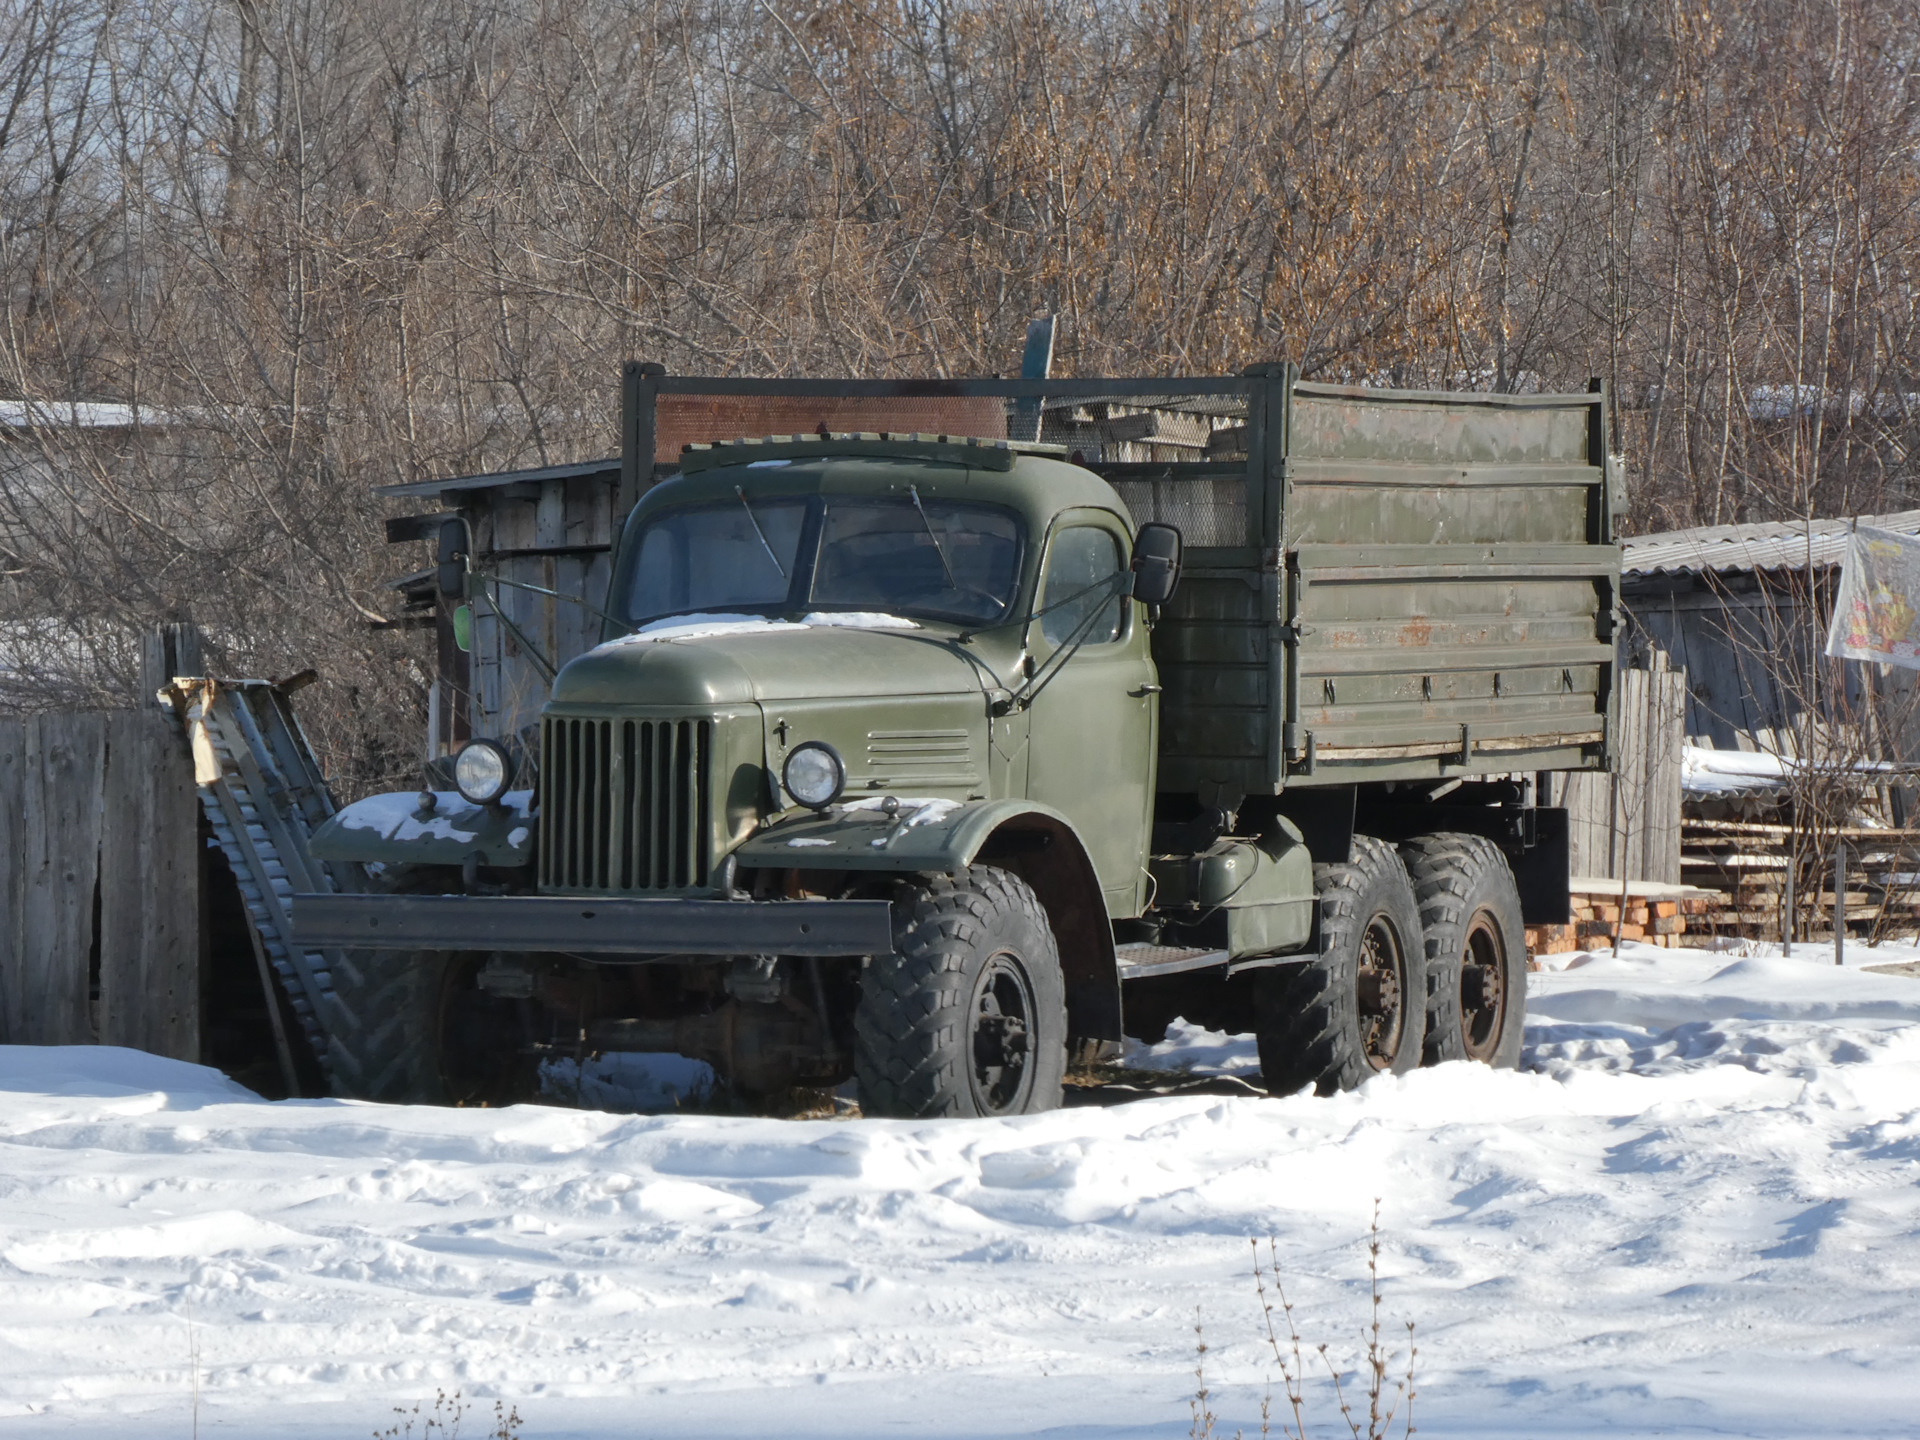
499,613
1030,690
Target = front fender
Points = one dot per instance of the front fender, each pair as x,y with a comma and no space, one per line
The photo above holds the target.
922,836
397,830
1034,841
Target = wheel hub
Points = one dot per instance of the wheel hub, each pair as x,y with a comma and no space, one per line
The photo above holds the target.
1001,1049
1483,987
1380,992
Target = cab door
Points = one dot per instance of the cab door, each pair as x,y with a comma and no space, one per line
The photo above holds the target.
1092,749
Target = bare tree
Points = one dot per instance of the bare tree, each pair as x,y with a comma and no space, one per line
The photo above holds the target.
291,249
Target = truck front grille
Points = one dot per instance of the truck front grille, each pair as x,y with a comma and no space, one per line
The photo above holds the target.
623,804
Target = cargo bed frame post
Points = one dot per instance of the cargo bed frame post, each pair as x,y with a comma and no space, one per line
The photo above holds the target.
1601,532
639,400
1269,410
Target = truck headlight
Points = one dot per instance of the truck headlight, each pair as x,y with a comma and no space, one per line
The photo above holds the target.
482,771
814,774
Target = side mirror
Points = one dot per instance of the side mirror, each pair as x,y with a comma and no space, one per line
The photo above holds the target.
1156,563
450,574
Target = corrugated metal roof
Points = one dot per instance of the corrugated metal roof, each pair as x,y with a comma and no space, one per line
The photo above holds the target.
1773,545
495,479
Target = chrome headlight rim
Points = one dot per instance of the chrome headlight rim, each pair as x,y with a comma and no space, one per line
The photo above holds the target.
837,771
486,787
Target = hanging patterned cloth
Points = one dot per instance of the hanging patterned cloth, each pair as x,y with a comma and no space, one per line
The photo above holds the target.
1876,612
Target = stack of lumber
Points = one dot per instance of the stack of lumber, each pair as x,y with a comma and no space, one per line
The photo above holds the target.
1748,863
1653,913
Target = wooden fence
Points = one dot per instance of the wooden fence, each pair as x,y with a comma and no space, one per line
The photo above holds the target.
100,893
1626,826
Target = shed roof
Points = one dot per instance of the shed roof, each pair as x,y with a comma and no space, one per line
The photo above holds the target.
1771,545
494,479
76,415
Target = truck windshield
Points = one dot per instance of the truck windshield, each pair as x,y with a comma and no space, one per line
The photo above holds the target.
908,555
737,556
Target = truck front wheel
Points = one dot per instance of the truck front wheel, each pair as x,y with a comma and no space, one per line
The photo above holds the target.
968,1015
1358,1007
425,1033
1476,949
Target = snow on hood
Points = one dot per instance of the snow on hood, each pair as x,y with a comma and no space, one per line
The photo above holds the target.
917,811
701,627
397,816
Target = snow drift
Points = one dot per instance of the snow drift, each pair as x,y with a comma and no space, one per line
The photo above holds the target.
1697,1210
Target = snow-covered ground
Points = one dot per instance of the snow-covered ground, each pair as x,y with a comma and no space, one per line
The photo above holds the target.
1695,1212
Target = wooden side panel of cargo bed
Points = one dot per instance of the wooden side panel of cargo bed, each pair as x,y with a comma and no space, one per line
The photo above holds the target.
1450,584
1213,648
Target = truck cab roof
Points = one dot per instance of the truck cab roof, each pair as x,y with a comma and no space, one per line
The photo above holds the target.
1038,481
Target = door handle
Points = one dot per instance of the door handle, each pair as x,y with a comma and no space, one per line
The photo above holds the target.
1141,692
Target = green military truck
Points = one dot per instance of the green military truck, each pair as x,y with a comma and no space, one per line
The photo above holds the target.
934,761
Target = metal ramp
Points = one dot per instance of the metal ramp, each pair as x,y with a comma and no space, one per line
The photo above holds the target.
264,795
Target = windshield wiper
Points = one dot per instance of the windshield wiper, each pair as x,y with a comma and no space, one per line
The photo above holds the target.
754,520
938,548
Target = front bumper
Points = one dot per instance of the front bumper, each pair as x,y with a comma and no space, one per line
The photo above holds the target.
593,927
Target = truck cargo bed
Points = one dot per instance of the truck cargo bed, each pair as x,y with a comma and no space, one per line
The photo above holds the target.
1433,595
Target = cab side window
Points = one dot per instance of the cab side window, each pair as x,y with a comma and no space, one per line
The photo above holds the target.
1082,556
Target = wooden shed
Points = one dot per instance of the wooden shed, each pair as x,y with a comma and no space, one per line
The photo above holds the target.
551,527
1743,609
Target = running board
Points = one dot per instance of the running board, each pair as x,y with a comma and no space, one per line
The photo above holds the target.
1141,961
1138,961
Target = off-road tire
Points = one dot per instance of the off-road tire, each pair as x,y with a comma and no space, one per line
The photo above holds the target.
393,1040
366,1049
1319,1022
959,943
1470,911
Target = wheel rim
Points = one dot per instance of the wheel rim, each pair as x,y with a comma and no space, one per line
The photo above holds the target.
478,1039
1483,987
1381,989
1000,1047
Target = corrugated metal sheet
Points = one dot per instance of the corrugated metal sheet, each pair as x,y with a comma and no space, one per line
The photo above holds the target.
497,479
1774,545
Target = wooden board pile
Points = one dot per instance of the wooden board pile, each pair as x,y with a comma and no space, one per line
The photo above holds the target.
1653,919
1748,863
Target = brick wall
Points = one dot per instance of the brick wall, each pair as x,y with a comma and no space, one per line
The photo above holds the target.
690,419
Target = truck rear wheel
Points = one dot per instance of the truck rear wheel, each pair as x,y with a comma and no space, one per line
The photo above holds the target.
426,1034
1476,949
1357,1008
968,1016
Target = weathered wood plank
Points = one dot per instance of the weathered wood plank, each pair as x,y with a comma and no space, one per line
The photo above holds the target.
167,651
61,835
550,515
515,520
586,524
13,743
149,889
1627,824
1666,737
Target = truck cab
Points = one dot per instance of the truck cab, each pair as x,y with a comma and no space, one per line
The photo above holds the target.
924,619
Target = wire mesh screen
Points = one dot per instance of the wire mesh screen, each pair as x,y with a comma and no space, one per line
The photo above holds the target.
1205,509
1177,459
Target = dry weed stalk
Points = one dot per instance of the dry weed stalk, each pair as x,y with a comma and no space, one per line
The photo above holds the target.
1385,1398
443,1421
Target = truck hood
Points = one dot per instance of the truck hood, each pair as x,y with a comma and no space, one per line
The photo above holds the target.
704,660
